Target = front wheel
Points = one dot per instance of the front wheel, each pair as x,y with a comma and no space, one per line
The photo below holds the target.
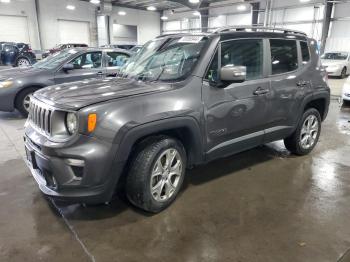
306,136
156,173
343,73
23,100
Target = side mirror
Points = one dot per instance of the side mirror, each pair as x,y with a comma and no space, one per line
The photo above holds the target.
230,73
68,67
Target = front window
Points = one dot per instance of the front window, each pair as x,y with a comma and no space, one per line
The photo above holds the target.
248,53
55,60
169,59
88,61
335,56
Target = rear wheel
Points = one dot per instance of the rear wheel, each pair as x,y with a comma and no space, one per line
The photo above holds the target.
156,174
23,62
23,100
305,137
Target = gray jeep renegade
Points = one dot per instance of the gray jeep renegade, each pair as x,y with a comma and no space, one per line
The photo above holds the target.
183,100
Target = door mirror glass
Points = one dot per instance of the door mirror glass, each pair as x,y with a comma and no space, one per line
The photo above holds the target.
230,73
68,67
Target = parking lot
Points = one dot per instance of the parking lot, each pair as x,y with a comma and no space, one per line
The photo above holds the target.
260,205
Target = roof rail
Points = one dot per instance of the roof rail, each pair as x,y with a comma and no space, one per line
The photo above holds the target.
259,29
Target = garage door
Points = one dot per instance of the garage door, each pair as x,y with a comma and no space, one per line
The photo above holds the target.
15,29
73,32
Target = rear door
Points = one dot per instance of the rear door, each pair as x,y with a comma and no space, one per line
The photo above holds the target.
290,82
87,65
235,113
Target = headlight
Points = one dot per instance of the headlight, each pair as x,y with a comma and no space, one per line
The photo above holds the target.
6,83
71,123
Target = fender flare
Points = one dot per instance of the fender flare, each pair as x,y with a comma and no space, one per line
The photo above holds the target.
129,138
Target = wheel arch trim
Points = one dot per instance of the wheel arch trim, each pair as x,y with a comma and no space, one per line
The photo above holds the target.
128,140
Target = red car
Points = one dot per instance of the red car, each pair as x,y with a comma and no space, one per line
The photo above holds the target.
61,47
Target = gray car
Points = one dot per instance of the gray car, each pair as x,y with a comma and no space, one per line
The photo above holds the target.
17,84
182,101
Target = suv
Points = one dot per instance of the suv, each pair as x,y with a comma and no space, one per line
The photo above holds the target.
16,54
183,100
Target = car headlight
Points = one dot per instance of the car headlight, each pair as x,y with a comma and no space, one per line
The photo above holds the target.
5,84
72,123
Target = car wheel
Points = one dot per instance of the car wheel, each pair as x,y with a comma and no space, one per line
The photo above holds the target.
23,62
23,100
305,137
156,173
343,73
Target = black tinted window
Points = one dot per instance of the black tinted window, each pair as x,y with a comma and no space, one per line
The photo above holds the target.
305,52
284,56
248,53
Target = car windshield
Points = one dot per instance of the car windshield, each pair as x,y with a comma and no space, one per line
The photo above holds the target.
55,60
167,59
335,56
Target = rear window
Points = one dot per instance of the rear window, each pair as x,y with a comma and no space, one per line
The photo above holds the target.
284,56
305,54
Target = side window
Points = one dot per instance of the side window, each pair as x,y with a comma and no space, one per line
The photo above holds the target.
88,61
305,54
116,59
284,56
212,73
248,53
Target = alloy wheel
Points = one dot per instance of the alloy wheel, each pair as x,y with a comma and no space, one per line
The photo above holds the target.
166,175
309,132
22,62
26,102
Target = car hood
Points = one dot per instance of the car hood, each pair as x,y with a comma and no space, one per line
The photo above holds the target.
17,72
328,62
83,93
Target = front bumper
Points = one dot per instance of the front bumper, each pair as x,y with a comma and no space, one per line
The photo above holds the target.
333,71
59,176
7,99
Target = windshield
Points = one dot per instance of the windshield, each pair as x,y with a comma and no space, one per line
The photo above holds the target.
335,56
55,60
167,59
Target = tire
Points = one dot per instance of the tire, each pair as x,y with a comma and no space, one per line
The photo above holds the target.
23,62
299,143
21,98
151,184
343,73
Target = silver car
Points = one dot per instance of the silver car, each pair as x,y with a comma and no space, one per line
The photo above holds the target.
69,65
336,63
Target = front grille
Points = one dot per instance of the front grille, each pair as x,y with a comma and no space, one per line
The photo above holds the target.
40,116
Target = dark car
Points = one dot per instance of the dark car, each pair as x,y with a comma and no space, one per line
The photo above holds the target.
60,48
16,54
17,84
183,100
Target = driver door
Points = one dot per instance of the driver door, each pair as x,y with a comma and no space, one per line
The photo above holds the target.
235,113
86,66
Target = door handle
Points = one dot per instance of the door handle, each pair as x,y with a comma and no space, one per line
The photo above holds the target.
260,91
302,83
99,73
